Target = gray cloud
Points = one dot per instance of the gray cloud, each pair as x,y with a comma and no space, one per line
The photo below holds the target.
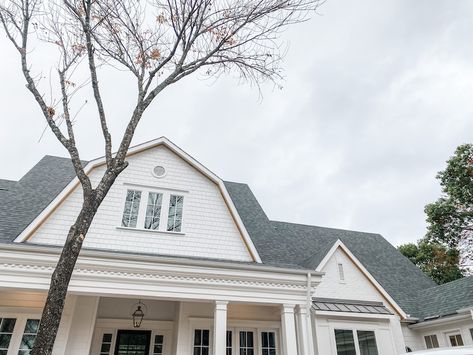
377,95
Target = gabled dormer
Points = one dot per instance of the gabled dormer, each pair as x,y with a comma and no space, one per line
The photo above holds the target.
164,203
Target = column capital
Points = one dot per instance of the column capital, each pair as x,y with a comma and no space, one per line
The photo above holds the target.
287,308
221,304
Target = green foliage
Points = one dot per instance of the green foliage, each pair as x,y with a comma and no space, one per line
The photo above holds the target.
437,261
450,218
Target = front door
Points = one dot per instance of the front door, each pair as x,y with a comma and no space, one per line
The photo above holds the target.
133,342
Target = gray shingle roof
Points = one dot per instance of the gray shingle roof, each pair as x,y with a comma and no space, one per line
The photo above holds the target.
22,201
278,243
446,299
305,246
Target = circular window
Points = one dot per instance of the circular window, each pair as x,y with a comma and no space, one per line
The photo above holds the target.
159,171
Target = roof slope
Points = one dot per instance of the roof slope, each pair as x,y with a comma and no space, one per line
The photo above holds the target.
22,201
305,246
278,243
446,299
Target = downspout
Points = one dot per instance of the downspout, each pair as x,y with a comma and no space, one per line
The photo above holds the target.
309,296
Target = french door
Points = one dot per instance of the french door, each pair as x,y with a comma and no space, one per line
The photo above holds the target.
133,342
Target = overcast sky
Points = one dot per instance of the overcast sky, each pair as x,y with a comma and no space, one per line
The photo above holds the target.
377,95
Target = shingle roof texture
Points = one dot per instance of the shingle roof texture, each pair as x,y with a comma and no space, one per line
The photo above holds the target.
278,243
22,201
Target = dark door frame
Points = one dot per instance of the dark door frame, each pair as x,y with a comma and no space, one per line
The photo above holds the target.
147,333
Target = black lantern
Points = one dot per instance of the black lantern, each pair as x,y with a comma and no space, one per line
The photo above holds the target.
138,315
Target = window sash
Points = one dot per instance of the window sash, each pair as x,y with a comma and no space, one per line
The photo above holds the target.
158,346
176,203
431,341
455,340
201,342
345,342
153,210
367,342
29,336
131,209
106,344
7,327
247,342
268,343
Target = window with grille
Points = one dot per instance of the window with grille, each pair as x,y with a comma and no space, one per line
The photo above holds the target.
158,344
229,342
29,336
268,343
175,213
7,325
153,210
247,346
132,206
201,342
106,344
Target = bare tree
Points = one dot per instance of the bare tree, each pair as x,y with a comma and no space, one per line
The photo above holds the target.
159,42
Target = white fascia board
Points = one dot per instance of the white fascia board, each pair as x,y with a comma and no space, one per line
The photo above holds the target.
134,150
354,259
29,267
441,321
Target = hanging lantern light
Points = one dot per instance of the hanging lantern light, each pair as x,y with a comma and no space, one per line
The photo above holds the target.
138,315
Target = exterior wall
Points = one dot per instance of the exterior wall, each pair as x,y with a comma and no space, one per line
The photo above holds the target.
356,285
384,333
412,338
208,229
442,331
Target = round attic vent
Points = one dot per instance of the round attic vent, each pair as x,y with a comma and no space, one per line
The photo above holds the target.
159,171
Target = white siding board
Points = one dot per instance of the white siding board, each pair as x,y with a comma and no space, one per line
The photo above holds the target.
355,286
208,226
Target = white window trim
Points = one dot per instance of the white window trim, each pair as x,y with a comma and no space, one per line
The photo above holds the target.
449,333
354,328
237,325
163,218
17,335
111,326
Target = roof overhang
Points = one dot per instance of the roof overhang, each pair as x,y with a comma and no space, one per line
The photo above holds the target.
340,245
105,273
91,165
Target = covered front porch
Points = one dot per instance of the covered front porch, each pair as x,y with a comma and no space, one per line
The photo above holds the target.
190,306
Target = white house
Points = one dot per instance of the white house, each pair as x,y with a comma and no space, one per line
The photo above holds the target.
211,273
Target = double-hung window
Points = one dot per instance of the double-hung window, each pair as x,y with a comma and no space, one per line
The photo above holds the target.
7,325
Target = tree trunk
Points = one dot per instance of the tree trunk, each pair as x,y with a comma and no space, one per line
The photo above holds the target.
61,276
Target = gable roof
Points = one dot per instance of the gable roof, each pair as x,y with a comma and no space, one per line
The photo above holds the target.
305,246
446,299
277,243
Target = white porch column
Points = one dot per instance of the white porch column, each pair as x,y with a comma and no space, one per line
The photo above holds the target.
288,330
220,328
306,342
